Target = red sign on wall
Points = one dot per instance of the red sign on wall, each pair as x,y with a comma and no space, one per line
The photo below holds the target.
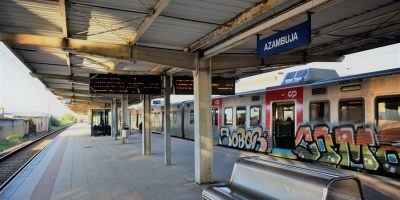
217,102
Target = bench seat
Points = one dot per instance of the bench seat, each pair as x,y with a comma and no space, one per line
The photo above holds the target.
254,178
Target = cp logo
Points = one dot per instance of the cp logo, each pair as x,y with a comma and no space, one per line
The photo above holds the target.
292,94
216,102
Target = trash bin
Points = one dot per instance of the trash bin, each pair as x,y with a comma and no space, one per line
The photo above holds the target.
124,135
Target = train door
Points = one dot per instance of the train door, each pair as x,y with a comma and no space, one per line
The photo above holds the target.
215,128
283,124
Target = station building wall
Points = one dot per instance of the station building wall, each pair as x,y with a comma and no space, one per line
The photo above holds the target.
9,127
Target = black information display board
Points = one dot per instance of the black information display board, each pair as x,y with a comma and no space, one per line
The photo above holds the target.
182,85
220,86
124,84
223,86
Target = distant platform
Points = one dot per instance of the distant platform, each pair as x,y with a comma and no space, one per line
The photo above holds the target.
78,166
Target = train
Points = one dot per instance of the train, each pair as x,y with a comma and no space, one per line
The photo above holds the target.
313,116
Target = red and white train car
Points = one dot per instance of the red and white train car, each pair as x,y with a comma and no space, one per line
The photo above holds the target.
314,115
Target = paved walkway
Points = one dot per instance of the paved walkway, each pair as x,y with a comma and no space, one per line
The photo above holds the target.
77,166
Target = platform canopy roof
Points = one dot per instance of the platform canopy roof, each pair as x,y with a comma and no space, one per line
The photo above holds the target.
61,42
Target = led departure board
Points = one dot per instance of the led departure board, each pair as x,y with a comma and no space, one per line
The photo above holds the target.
182,85
124,84
223,86
220,86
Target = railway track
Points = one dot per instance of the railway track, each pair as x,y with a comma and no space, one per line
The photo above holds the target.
13,162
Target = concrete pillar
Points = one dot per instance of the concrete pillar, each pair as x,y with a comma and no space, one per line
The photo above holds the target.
167,120
203,142
114,118
91,123
124,118
146,131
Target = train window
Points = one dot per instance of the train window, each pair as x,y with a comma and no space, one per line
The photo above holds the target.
351,111
216,111
191,117
255,115
255,98
319,111
388,113
240,116
228,116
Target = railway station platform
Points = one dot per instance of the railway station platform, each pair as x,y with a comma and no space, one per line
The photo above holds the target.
78,166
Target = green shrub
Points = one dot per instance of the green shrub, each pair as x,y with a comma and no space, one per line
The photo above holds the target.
14,139
68,119
54,121
3,143
32,126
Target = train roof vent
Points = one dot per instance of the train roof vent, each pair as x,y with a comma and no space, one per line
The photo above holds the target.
309,75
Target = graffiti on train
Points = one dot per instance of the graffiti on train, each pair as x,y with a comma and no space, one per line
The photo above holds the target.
254,139
357,147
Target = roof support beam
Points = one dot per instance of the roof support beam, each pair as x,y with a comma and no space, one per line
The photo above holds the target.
64,25
179,59
73,94
76,79
242,37
63,13
235,61
126,53
77,91
158,8
243,18
86,99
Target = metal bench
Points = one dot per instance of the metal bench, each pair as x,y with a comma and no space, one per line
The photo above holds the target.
255,178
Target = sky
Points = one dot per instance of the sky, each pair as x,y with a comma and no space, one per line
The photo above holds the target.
22,94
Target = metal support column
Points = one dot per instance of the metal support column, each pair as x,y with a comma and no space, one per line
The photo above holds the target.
146,131
114,118
115,122
125,132
203,142
167,120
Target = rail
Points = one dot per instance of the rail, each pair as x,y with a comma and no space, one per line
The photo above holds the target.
19,149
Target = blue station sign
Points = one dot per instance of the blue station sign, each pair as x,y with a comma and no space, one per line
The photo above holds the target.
288,39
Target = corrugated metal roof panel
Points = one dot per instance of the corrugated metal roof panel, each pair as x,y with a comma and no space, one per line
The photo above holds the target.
101,24
44,57
175,33
81,87
330,16
60,86
132,5
51,69
211,11
24,17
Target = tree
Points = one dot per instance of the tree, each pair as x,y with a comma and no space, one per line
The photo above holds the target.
54,121
32,126
68,118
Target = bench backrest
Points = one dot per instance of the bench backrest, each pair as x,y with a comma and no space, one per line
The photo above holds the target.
282,181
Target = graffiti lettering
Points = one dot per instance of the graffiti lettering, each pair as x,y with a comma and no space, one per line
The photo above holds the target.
347,146
343,145
253,140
